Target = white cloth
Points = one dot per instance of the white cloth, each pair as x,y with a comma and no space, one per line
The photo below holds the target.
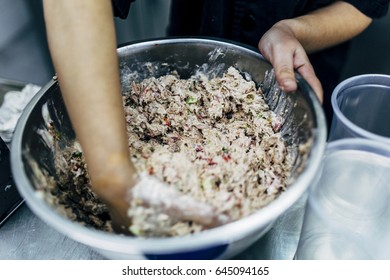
12,107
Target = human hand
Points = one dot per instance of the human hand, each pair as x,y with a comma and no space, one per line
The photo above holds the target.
112,184
280,47
178,206
120,185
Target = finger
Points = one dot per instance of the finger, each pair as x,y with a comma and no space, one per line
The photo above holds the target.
305,69
307,72
284,70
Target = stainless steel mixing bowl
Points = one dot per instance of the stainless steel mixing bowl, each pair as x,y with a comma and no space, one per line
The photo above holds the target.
304,125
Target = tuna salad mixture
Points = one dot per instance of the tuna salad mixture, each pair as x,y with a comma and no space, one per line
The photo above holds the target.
214,140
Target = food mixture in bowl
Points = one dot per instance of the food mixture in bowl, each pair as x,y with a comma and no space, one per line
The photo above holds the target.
215,140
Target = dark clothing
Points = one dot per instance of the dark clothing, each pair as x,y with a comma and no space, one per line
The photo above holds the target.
245,21
121,8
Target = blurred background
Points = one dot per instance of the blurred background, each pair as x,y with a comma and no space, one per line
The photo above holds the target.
24,54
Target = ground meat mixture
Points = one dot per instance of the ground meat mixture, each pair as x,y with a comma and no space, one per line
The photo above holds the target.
212,139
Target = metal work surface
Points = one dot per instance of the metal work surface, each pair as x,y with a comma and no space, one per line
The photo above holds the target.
25,237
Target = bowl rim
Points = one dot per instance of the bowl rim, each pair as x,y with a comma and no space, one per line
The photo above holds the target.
222,235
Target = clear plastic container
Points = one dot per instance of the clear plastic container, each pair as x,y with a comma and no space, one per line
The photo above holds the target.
361,107
348,209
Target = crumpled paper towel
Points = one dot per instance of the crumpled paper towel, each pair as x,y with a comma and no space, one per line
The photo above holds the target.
12,107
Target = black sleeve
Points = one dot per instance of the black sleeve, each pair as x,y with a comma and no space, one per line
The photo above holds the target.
121,7
371,8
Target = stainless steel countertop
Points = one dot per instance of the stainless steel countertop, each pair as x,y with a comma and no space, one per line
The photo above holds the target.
26,237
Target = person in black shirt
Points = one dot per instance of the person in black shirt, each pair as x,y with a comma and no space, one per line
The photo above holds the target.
246,21
82,43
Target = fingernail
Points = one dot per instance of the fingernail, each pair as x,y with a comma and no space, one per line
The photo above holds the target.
288,85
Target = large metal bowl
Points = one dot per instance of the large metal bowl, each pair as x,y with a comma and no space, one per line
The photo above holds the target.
32,151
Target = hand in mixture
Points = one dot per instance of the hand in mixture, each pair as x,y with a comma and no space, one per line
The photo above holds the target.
123,186
154,193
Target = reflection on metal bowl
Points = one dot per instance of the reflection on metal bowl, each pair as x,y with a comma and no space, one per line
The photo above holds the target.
304,125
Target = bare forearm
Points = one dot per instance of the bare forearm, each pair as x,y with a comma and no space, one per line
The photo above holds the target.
328,26
83,47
